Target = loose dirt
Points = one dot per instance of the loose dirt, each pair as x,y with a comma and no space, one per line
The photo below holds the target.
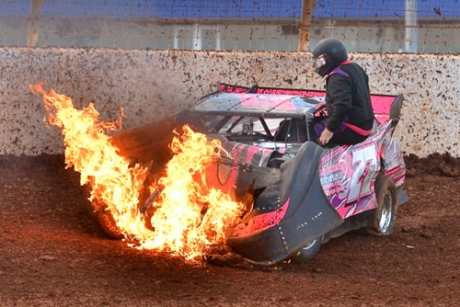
53,254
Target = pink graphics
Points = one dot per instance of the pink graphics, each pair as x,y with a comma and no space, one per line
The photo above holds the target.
348,173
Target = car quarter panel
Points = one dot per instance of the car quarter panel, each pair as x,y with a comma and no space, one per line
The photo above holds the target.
348,172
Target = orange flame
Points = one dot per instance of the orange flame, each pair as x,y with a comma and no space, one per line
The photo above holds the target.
188,217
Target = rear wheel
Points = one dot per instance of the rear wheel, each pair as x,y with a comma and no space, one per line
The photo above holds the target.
308,251
108,224
383,219
105,219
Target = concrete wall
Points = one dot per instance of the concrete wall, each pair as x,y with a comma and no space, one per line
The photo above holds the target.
150,85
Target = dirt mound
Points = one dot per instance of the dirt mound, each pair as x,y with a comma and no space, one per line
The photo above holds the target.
434,164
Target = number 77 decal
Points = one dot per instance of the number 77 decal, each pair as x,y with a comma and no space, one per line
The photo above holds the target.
364,165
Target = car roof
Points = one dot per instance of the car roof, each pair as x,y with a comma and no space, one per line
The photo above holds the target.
258,105
275,102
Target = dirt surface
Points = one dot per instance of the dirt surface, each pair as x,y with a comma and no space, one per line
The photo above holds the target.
53,254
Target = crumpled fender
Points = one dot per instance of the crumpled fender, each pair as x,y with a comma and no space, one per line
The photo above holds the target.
288,214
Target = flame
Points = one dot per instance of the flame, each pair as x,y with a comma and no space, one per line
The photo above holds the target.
189,216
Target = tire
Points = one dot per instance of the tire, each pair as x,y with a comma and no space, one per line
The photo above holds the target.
105,219
102,217
308,251
108,224
383,218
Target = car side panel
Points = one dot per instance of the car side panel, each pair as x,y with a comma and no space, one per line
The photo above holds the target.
348,173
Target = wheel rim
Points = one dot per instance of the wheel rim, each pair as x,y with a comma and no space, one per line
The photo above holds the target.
386,214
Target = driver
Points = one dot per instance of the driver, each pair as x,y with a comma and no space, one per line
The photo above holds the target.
350,116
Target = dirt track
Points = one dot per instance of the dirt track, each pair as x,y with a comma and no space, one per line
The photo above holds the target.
53,254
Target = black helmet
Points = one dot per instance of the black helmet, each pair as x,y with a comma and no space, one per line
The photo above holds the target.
328,54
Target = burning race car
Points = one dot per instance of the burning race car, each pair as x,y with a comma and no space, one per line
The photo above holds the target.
297,194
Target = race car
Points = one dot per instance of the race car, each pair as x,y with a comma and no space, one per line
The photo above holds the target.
302,194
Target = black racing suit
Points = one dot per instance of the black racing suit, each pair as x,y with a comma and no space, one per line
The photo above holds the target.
348,102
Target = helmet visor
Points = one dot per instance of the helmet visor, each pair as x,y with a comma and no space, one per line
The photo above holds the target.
318,62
